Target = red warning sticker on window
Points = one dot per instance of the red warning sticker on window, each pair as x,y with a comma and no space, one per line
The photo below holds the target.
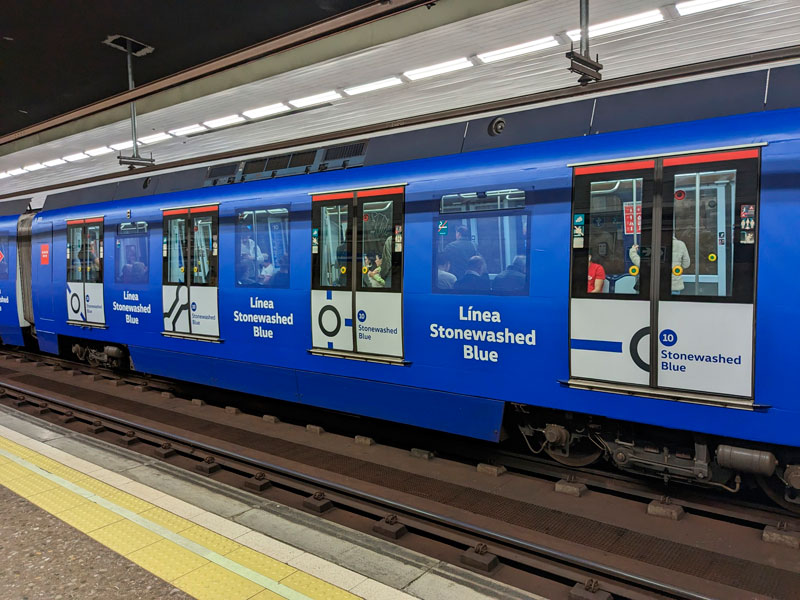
45,254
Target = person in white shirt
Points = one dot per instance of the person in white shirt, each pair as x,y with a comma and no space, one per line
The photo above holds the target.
250,256
680,257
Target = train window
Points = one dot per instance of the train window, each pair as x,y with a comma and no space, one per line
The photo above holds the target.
92,258
609,253
4,258
333,245
132,258
74,253
204,250
505,199
485,254
175,245
376,239
263,243
710,230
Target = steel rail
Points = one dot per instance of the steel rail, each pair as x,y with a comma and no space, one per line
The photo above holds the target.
540,549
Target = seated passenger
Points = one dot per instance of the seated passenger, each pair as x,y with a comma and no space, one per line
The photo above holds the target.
374,272
243,274
475,278
266,270
460,251
139,273
445,280
597,277
512,278
281,277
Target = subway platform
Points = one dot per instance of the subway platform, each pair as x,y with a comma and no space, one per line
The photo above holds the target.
80,518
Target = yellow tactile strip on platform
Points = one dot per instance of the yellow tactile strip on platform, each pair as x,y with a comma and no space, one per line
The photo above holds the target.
193,558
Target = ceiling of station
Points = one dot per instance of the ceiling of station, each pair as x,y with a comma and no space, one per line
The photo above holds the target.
35,32
671,40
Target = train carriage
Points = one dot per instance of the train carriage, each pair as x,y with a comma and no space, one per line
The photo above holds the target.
577,289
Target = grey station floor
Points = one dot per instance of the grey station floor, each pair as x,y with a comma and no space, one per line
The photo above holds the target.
80,518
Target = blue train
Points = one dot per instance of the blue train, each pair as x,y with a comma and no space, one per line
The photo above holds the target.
623,293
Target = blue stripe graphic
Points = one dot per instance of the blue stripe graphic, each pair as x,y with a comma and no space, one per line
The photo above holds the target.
596,345
328,295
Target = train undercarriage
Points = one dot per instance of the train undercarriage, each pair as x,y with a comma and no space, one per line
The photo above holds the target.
671,456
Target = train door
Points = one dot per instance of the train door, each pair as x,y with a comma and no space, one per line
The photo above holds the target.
663,275
357,262
190,267
85,304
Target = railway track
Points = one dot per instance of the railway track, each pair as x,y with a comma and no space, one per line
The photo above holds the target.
534,547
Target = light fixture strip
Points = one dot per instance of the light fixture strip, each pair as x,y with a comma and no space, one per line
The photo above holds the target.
156,137
54,163
696,6
438,69
98,151
316,99
188,130
76,157
265,111
519,49
371,87
223,121
638,20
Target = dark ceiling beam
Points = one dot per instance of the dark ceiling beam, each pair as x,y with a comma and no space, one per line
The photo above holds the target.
380,9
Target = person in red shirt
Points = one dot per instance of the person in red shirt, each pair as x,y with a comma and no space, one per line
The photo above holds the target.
597,277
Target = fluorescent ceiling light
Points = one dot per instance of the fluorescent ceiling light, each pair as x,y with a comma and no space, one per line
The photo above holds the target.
122,145
265,111
696,6
34,167
316,99
4,175
156,137
189,129
512,51
438,69
17,172
371,87
645,18
99,151
76,157
229,120
54,163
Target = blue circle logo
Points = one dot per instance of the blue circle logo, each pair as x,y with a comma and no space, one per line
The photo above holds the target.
667,337
194,306
362,316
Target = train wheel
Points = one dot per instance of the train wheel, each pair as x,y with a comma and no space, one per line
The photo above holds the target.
775,489
578,456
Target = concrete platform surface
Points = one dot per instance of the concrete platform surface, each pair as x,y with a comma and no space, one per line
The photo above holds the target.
193,535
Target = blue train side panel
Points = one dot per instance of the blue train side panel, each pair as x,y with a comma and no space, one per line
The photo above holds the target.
10,319
440,388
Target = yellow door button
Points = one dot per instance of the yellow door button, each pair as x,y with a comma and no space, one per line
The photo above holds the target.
677,270
343,270
364,270
712,257
634,270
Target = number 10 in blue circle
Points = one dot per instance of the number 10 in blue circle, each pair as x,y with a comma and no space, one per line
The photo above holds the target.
668,337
